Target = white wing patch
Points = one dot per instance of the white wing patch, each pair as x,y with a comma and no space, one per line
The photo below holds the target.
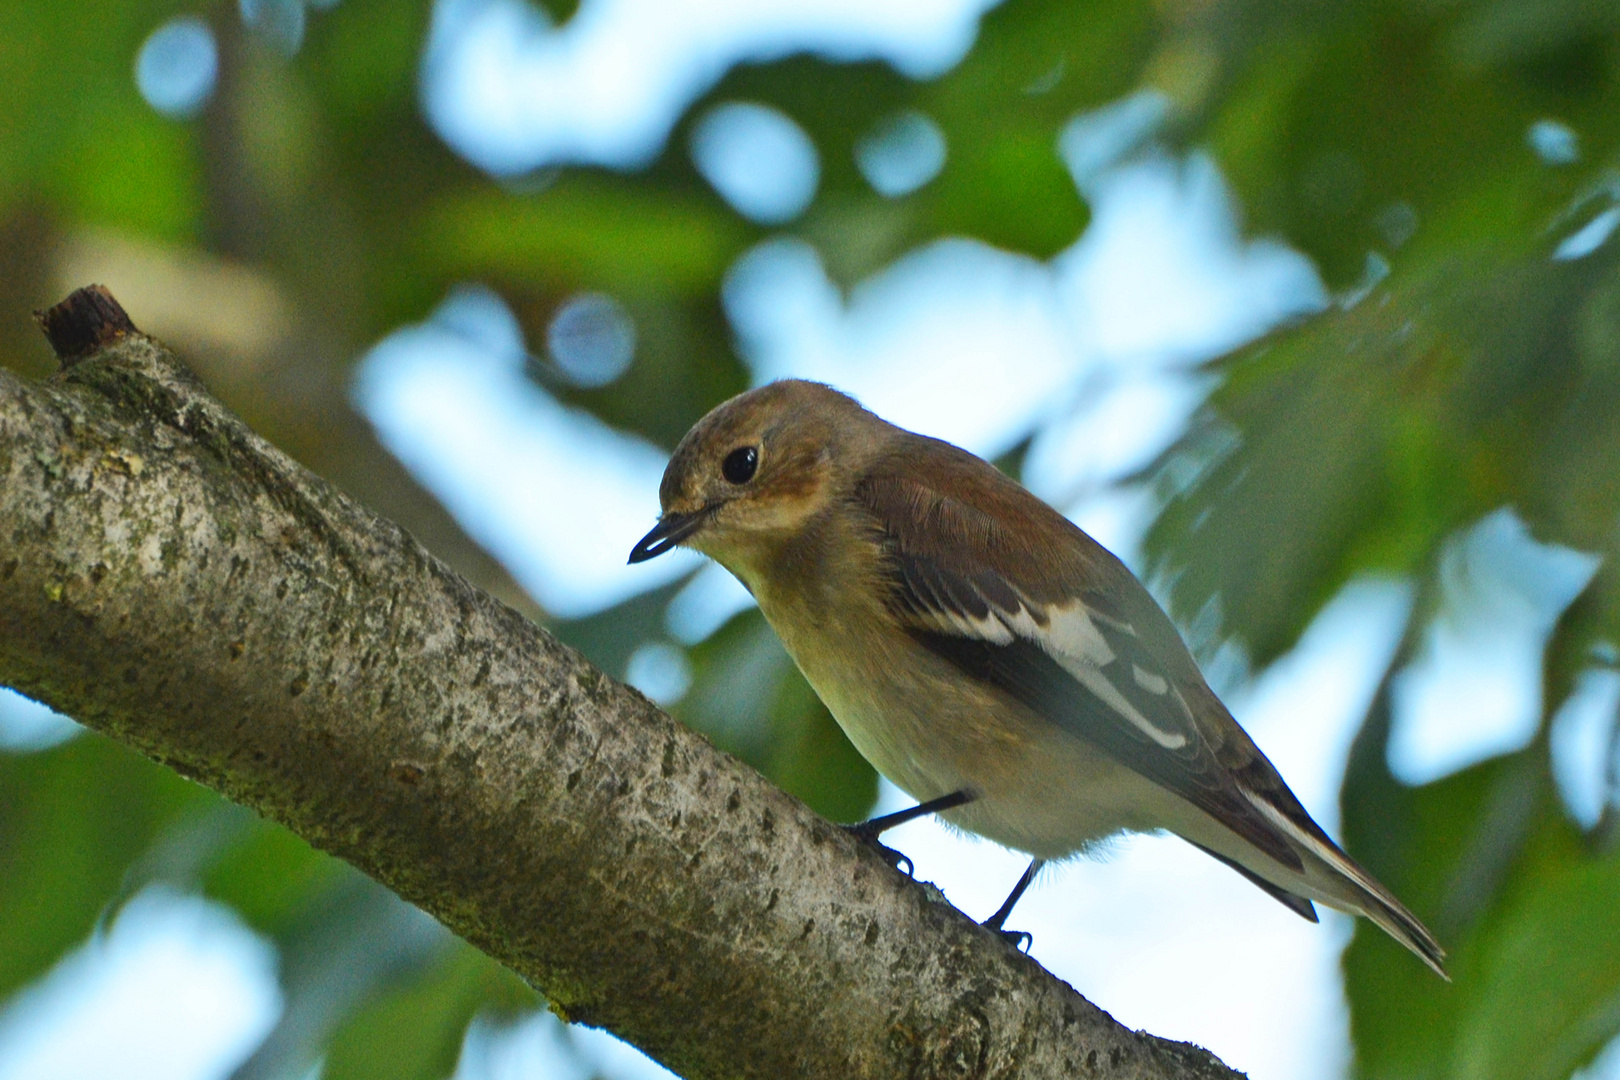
1067,632
1153,684
993,627
1071,637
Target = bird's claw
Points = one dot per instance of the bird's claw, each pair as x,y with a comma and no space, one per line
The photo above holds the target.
884,851
1018,939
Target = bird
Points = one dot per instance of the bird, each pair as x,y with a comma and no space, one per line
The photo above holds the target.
984,653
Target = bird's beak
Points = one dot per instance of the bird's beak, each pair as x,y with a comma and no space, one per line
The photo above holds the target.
671,529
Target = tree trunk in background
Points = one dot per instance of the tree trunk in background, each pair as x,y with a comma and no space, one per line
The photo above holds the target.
175,582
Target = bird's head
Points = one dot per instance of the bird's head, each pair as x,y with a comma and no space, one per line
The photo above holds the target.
753,471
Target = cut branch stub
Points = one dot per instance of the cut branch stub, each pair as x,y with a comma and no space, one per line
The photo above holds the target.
89,319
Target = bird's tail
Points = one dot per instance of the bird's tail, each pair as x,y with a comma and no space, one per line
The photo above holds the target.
1335,879
1362,894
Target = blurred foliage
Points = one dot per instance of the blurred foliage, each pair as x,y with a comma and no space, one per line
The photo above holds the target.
1524,901
1462,368
72,821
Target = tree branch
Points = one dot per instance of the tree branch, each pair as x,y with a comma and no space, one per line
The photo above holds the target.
172,580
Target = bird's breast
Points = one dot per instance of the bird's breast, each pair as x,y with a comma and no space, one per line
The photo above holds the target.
932,730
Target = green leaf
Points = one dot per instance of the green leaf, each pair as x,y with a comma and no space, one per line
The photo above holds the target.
1523,903
1550,979
74,131
586,230
812,758
415,1032
1360,440
72,820
270,877
737,677
343,948
1347,126
749,699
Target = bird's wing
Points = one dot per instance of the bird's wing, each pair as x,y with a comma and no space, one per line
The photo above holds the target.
1043,613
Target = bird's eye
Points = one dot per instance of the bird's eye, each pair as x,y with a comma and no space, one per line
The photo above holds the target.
740,464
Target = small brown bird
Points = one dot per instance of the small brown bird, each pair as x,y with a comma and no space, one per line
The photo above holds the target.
985,654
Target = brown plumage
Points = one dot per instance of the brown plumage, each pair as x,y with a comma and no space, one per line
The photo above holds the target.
969,638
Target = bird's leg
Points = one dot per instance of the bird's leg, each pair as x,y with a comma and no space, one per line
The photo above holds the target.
867,832
1019,938
877,826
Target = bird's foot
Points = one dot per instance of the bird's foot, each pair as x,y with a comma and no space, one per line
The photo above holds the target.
869,837
1018,939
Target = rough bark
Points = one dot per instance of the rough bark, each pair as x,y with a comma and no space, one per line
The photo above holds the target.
172,580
